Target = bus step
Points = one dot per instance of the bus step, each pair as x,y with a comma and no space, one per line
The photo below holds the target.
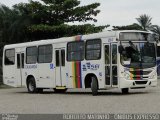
60,87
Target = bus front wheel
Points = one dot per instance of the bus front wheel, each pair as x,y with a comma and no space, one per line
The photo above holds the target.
94,86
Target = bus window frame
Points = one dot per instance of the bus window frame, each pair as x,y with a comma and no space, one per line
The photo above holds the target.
83,51
36,55
93,49
5,57
158,49
45,54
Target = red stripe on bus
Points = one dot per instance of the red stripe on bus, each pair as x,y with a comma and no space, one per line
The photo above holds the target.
138,75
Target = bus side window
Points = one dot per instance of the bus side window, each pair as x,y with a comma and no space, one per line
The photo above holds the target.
18,61
57,58
45,54
107,55
63,57
93,49
10,57
31,55
158,51
114,54
75,51
22,59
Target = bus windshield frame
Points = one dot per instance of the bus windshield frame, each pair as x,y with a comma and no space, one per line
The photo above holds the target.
137,54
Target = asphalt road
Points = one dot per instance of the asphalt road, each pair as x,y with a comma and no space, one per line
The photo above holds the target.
18,101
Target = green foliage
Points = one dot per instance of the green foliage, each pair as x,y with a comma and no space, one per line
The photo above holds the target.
144,21
134,26
46,32
12,25
55,12
5,15
48,18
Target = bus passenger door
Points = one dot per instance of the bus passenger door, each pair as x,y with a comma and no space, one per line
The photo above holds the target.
60,67
20,67
111,79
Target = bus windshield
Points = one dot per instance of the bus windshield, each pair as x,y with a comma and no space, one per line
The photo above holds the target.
137,54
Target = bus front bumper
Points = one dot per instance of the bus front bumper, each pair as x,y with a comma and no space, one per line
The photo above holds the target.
137,83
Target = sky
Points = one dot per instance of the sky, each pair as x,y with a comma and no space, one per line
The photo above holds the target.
117,12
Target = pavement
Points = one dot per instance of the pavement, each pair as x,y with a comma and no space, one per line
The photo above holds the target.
19,101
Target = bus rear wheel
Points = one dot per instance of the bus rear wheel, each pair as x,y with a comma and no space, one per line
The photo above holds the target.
94,86
31,86
125,90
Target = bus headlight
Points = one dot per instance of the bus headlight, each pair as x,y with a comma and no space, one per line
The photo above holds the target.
152,76
126,76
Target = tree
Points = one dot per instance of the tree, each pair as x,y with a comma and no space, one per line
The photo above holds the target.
46,19
144,21
12,25
45,31
5,16
50,18
134,26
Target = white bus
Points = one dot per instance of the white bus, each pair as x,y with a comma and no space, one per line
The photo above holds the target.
111,59
158,59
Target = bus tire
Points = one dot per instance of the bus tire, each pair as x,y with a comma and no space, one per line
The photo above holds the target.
60,90
125,90
94,86
31,85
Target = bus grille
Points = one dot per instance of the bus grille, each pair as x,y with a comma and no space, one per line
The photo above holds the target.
141,82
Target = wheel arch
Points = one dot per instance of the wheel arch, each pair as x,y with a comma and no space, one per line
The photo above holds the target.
28,77
88,80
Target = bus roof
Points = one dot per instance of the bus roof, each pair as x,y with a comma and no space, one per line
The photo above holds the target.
68,39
